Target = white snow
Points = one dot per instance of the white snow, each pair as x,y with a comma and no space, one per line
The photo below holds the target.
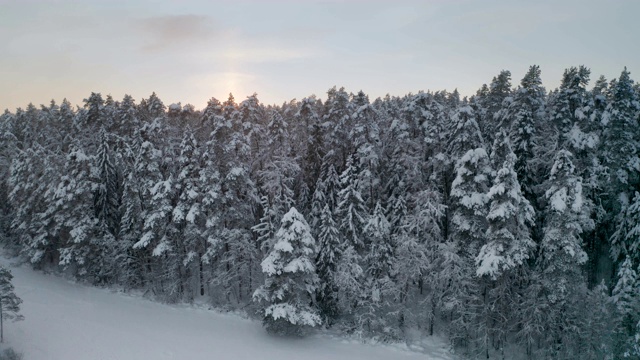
161,248
68,321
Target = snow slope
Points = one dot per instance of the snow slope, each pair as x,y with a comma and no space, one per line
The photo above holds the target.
67,321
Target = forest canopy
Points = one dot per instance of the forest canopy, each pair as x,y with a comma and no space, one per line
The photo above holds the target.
507,219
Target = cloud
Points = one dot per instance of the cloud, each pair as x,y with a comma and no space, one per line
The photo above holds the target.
260,54
170,31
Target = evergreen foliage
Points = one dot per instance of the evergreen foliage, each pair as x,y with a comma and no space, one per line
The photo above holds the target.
291,279
495,220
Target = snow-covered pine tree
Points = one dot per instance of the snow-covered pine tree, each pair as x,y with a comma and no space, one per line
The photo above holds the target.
419,275
217,128
625,241
327,261
152,108
558,287
621,156
310,139
526,113
337,125
126,119
249,130
351,208
456,287
570,111
378,292
561,252
108,193
277,180
291,280
157,173
82,246
189,215
510,215
267,227
93,104
325,193
509,245
499,90
9,301
465,133
209,180
469,202
130,271
464,136
30,190
621,148
231,247
626,294
626,297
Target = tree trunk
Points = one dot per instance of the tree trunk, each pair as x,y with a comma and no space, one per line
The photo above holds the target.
433,315
201,275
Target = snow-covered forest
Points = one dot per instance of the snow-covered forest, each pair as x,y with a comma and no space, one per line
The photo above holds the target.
506,221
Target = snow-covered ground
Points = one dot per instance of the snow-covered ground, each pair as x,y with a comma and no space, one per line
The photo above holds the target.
67,321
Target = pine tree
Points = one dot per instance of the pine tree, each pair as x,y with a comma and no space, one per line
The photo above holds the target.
499,94
526,112
465,134
570,110
9,301
377,232
329,257
153,108
625,247
456,287
126,117
378,291
325,193
561,251
30,192
266,228
469,201
510,216
93,105
277,181
189,214
107,196
337,124
291,279
82,244
131,224
351,208
626,297
311,139
621,149
558,287
500,261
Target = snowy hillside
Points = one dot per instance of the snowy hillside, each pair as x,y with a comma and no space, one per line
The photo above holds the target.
67,321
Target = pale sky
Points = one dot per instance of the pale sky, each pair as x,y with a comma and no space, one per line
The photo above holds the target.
190,51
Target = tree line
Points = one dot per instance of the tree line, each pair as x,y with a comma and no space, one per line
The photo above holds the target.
505,220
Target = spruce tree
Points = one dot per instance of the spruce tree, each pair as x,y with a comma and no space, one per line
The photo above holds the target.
9,301
351,207
291,280
510,215
327,261
107,196
559,286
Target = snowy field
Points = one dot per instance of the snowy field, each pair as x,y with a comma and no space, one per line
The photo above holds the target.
68,321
